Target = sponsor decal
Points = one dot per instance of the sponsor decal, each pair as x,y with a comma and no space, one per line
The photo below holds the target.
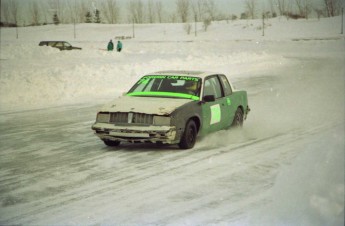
164,94
145,79
228,101
215,114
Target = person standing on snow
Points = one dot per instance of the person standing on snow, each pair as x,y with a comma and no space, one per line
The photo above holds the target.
110,46
119,46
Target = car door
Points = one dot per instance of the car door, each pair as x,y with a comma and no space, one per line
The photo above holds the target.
59,45
229,106
214,112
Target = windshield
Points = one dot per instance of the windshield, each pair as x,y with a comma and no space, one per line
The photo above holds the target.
167,86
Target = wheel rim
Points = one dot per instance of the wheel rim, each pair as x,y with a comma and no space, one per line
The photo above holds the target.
191,135
238,121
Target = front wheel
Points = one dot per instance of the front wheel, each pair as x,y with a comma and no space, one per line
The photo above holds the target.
111,143
188,138
238,119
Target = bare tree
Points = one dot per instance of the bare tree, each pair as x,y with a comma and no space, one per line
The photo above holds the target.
272,8
136,11
282,7
82,9
159,10
288,11
304,7
111,11
329,7
206,23
188,28
71,12
150,11
60,8
197,9
300,7
76,10
211,9
183,9
250,7
173,17
332,7
205,11
9,12
319,13
5,11
35,13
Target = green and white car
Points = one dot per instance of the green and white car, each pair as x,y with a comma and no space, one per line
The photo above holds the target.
172,107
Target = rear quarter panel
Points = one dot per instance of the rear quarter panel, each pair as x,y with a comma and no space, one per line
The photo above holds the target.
239,99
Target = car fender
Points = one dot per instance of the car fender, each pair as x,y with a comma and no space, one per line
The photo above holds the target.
183,114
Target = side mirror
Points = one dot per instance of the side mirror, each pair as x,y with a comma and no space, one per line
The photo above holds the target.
209,98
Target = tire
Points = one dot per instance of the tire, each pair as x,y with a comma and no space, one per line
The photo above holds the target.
238,119
188,138
111,143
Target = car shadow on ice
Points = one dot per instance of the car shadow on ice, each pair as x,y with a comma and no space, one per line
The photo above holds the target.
219,139
144,147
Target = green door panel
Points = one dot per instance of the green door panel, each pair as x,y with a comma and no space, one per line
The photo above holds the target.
219,114
215,115
211,116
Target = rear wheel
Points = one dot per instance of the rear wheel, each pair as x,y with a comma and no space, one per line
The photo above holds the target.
188,138
238,119
111,143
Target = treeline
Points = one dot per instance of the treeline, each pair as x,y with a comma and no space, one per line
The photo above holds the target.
40,12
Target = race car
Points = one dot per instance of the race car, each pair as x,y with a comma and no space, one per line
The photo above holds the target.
172,107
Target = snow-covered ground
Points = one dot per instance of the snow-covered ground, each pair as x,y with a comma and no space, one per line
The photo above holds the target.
285,167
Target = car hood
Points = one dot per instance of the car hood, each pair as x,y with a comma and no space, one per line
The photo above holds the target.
146,105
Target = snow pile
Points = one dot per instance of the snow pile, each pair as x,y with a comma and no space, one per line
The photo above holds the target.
310,191
34,77
324,204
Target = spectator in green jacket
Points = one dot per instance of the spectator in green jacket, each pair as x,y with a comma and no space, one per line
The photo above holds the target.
119,46
110,46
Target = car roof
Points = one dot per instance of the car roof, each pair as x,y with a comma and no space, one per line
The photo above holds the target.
201,74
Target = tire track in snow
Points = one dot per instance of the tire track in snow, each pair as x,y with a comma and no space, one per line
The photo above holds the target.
127,186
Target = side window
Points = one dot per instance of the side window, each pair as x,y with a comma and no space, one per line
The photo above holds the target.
226,85
213,87
59,44
208,89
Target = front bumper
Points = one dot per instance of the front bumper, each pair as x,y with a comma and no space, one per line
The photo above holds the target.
136,134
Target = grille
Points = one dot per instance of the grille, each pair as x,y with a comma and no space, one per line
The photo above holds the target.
118,117
137,118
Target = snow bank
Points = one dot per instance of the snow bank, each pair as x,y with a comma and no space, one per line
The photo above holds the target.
36,77
310,191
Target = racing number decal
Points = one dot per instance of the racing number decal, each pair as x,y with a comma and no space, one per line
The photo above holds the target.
215,114
228,101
